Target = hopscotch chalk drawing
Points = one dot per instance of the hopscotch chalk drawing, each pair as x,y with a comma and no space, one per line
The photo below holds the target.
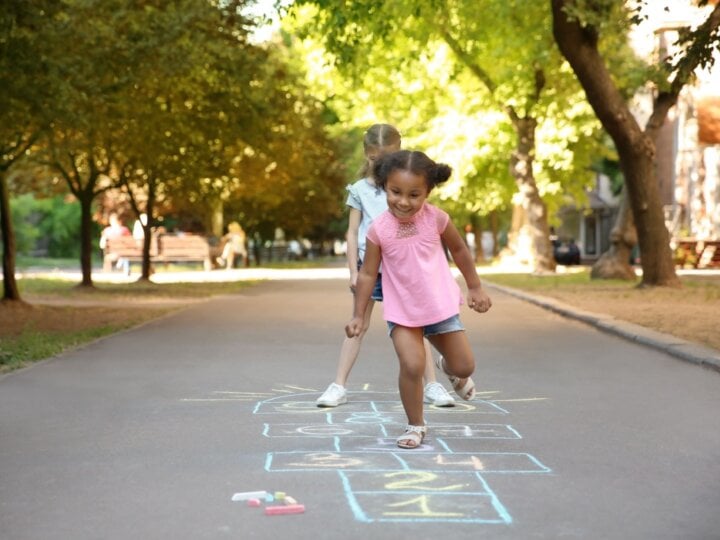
445,480
382,483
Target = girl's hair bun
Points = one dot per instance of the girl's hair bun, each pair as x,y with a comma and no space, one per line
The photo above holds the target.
442,173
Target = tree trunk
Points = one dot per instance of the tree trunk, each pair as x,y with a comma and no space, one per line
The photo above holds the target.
494,229
636,149
656,257
257,248
87,240
10,288
217,218
535,224
149,211
615,262
539,250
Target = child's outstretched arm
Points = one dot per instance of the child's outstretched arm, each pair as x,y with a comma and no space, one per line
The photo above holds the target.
365,284
354,219
477,297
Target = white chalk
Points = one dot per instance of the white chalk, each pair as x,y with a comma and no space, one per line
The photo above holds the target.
249,495
289,500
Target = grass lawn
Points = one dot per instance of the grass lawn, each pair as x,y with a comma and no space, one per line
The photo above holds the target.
691,312
58,315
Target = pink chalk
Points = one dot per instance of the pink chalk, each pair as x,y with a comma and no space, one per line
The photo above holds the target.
253,502
287,509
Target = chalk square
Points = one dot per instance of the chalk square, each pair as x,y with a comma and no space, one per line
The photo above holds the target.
409,482
480,508
466,407
324,430
289,407
474,431
331,461
480,462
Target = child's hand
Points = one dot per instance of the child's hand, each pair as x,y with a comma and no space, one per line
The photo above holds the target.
478,300
354,327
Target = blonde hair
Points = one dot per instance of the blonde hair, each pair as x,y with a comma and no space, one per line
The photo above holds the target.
234,227
381,137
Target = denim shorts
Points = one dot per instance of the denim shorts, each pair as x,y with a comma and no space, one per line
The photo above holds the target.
377,294
377,290
452,324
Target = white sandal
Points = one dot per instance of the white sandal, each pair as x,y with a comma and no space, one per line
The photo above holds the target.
465,391
414,434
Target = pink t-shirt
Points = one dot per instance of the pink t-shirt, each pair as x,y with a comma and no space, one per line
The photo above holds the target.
418,287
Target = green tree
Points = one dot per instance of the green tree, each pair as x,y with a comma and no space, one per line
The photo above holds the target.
200,103
579,27
152,93
82,143
503,53
26,86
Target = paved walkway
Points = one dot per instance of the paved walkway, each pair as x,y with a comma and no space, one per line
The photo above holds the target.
149,433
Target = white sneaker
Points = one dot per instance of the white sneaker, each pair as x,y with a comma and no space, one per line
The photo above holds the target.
332,397
436,394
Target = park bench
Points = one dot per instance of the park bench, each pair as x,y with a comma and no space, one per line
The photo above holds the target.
708,254
698,253
686,252
166,248
125,247
184,248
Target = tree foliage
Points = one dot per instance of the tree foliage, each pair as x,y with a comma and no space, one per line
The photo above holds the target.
164,99
441,69
26,83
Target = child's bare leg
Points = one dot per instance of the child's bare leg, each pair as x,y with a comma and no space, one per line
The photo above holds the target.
351,348
429,363
456,352
409,347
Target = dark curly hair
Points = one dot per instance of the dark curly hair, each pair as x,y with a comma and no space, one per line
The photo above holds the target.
413,161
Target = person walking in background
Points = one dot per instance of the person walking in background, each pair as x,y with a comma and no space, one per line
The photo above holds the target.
421,296
367,201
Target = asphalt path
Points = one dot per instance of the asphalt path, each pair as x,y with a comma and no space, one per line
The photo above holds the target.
148,434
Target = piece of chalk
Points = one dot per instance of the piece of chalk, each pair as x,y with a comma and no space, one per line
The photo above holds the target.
289,500
269,497
249,495
289,509
253,502
279,495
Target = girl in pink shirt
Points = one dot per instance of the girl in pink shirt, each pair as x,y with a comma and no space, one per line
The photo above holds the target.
420,294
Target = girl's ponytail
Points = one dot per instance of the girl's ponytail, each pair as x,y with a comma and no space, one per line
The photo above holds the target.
440,174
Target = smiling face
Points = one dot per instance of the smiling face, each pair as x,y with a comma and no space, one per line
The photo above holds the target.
406,193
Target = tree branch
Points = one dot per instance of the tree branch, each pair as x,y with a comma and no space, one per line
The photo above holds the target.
693,57
578,45
478,71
